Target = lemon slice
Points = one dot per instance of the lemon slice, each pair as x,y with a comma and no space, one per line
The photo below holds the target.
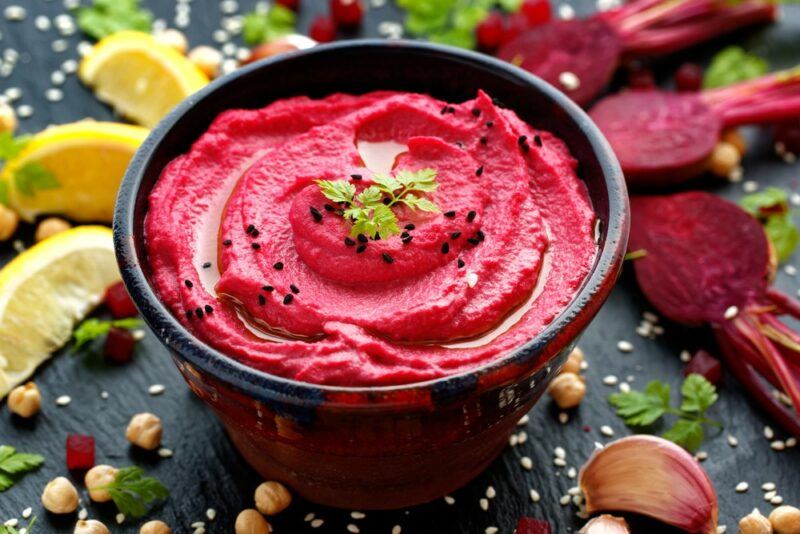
139,77
45,291
85,162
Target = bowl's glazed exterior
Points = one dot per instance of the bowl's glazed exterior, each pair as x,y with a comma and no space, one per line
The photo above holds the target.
373,448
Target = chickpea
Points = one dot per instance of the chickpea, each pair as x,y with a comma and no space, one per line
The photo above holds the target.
25,400
9,221
207,59
174,39
60,496
8,118
734,136
785,520
573,364
724,159
155,527
100,476
145,431
567,390
272,498
50,227
90,526
754,523
251,522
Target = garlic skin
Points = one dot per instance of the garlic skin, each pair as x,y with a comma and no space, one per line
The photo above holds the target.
651,476
754,523
606,524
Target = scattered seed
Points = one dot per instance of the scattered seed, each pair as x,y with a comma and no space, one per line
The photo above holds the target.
358,515
317,523
535,497
624,346
768,486
288,299
156,389
479,171
768,432
449,214
262,300
277,266
569,80
559,462
460,263
165,453
484,504
777,445
255,246
388,257
361,248
701,456
449,500
476,112
349,242
315,214
607,430
741,487
731,312
526,463
445,247
63,400
732,441
610,380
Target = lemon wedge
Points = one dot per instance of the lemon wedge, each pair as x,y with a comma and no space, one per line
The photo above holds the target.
141,78
72,170
45,291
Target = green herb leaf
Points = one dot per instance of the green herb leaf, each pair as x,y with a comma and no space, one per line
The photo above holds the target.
105,17
510,6
132,492
5,529
732,65
263,26
13,464
635,254
698,394
4,193
33,177
91,329
338,191
771,208
10,146
450,22
686,433
638,408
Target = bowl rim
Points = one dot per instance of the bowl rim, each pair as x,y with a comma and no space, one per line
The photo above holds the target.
580,310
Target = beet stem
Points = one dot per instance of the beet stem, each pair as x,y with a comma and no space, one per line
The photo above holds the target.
784,302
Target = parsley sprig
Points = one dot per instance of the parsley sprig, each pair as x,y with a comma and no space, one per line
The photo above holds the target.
771,208
132,491
105,17
14,464
5,529
265,25
645,408
28,178
371,209
91,329
732,65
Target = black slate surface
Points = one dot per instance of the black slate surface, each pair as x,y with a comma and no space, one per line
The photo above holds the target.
206,472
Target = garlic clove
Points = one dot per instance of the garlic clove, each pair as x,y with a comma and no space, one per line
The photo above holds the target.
754,523
606,524
651,476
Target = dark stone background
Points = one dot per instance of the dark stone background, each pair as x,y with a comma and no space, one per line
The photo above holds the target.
206,472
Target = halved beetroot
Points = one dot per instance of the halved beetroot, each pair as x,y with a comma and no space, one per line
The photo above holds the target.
704,364
663,138
592,48
119,302
80,452
707,261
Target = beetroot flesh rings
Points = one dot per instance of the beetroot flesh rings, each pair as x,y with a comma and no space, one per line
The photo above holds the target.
592,48
707,261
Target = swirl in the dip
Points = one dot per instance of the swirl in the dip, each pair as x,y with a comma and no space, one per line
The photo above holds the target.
252,256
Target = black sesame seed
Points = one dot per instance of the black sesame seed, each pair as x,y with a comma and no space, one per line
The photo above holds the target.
377,236
254,233
473,240
207,265
277,266
288,299
537,140
255,246
227,242
188,283
489,124
455,235
356,176
407,240
404,235
349,242
497,102
410,226
294,289
362,238
262,300
522,139
199,313
189,314
388,258
209,309
450,214
268,289
525,148
315,213
250,229
484,140
328,207
444,110
451,109
445,247
471,216
361,248
479,171
480,235
461,263
476,112
386,201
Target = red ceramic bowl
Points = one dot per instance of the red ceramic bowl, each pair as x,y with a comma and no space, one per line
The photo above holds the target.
378,447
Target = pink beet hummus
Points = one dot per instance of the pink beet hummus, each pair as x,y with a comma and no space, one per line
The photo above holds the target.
254,260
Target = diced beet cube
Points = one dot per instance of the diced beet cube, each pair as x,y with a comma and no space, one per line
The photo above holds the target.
529,525
536,11
119,302
347,13
706,365
119,345
489,33
323,29
80,452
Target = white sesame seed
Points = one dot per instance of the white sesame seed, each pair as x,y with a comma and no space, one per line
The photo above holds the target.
42,23
624,346
790,270
317,523
732,441
69,5
523,420
625,387
768,432
309,517
120,518
492,530
63,400
472,279
741,487
574,490
791,442
353,528
566,12
84,48
57,77
535,497
24,111
731,312
220,36
199,530
572,472
165,453
610,380
607,430
490,492
54,95
526,463
563,418
569,80
26,513
104,395
777,445
15,13
358,515
768,496
750,186
559,452
156,389
449,500
83,514
70,66
559,462
522,437
768,486
794,199
211,514
584,365
776,500
701,456
11,522
198,524
736,174
565,500
722,529
390,29
513,439
484,504
229,6
229,49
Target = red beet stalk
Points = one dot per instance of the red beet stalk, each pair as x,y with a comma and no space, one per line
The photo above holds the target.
766,99
708,262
